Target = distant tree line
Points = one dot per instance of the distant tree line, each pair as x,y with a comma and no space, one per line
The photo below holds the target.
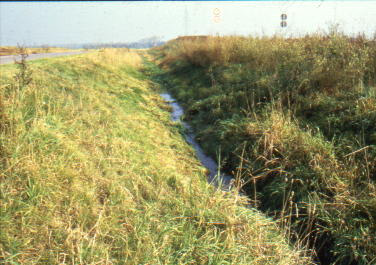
141,44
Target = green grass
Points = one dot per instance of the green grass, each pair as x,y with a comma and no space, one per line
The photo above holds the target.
295,121
93,171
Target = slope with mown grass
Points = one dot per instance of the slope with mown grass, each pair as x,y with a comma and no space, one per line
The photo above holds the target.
295,121
93,171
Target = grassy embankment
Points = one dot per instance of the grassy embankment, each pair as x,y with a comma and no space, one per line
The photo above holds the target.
295,121
11,50
93,171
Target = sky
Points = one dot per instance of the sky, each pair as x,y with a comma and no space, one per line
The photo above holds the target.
62,23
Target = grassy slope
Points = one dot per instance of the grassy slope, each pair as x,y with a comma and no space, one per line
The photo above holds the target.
94,172
297,117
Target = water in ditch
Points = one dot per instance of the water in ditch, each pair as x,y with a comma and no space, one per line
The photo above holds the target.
215,177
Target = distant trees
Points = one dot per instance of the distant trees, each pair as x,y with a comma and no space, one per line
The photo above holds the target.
46,48
141,44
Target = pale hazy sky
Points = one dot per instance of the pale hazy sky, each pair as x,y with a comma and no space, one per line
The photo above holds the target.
37,23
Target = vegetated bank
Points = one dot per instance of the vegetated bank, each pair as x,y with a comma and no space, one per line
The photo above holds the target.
93,171
294,119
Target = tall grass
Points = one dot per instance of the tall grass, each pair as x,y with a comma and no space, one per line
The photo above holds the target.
94,172
296,119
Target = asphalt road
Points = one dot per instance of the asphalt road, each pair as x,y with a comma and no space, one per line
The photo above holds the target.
10,58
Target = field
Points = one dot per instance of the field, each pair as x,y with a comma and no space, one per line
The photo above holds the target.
11,50
294,120
93,171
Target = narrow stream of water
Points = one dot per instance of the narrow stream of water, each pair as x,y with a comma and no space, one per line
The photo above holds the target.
215,177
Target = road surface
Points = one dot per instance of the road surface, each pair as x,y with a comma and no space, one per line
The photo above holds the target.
10,58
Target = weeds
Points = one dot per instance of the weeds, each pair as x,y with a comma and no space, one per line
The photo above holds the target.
23,77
